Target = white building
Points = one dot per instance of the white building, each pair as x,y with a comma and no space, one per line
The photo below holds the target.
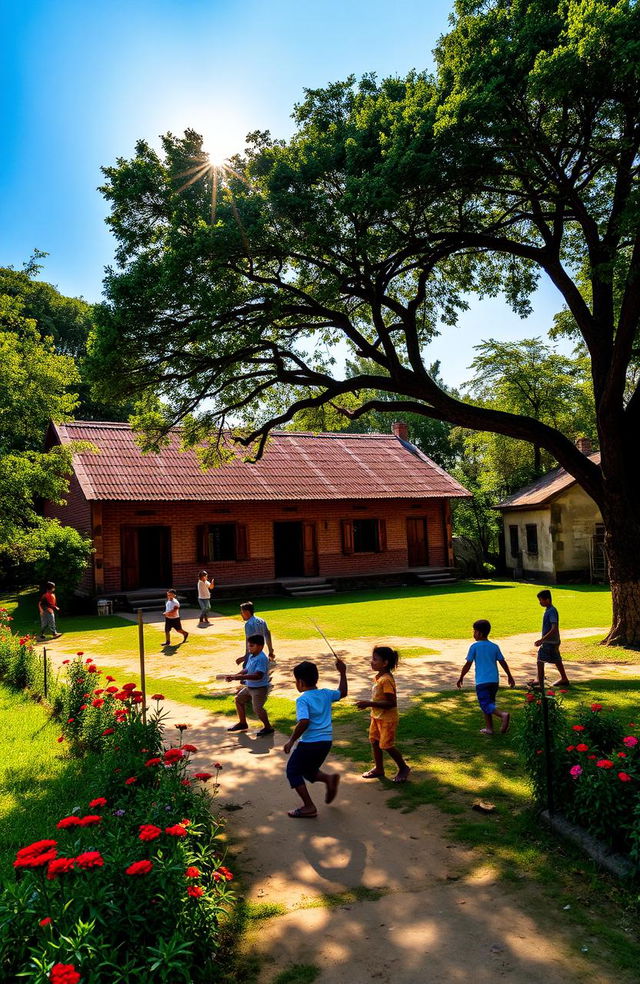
553,530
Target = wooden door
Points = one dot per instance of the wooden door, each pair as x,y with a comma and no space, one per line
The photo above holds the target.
417,542
129,558
309,550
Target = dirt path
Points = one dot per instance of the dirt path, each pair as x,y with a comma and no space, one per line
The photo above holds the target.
441,915
433,911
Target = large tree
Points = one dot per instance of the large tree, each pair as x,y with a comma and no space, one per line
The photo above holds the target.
389,204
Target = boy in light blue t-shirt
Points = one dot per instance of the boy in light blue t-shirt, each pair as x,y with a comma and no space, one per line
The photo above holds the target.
486,656
314,733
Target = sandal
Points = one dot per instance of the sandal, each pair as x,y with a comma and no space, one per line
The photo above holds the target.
297,814
372,774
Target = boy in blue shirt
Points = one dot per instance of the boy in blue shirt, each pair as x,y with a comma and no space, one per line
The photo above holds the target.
549,642
314,733
486,656
255,676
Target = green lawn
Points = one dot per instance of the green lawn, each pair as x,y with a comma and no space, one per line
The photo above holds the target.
38,784
587,649
444,612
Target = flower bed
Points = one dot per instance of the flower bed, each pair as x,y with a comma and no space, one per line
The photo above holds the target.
595,769
130,886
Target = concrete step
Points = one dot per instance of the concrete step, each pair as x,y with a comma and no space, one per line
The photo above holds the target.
437,579
311,592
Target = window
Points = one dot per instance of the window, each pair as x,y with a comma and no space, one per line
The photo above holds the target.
514,541
364,536
532,538
222,542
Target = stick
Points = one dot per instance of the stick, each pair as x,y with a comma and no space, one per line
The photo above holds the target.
324,637
143,682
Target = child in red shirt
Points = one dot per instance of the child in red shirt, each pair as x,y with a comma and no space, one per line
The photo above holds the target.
47,607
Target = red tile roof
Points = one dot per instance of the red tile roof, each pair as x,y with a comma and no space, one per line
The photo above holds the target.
294,466
542,491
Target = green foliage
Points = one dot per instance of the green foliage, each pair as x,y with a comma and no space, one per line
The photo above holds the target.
532,747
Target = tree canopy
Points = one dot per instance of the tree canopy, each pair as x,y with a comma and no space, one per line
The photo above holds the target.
393,201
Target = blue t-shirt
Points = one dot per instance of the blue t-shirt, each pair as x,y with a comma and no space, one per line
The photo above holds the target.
257,663
485,655
315,706
549,619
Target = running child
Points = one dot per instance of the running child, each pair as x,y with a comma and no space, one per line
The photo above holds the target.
486,656
314,734
172,618
384,715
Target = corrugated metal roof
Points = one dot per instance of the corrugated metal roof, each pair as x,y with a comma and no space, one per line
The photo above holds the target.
544,489
295,466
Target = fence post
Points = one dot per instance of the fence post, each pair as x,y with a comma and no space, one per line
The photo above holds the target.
548,755
143,683
44,667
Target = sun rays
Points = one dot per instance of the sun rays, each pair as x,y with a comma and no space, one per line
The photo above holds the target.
213,167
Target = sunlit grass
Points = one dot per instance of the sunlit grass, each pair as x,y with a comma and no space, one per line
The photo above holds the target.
588,649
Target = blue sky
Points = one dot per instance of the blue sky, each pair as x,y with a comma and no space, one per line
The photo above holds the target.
80,82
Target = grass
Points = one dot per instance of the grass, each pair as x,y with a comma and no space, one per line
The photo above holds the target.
38,785
588,650
442,612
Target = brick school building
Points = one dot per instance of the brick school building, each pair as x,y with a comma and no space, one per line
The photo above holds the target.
347,508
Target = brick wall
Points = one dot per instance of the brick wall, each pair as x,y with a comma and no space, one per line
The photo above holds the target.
75,512
184,518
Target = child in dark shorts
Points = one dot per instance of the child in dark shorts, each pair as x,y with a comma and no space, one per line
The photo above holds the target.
172,618
314,733
486,656
549,641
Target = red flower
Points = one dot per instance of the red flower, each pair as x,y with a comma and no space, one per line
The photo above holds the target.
582,747
36,848
551,693
99,691
592,756
221,873
110,679
195,891
182,727
530,698
173,755
46,921
149,832
578,727
83,707
622,755
189,748
630,741
217,766
604,764
70,720
64,974
98,702
66,822
35,860
88,659
65,661
624,777
60,866
89,859
176,831
111,690
137,700
157,697
99,801
571,748
108,731
127,687
185,782
153,761
130,781
192,872
61,738
596,707
202,776
139,868
93,669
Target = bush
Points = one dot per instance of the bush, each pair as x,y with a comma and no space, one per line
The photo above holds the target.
595,769
130,887
21,666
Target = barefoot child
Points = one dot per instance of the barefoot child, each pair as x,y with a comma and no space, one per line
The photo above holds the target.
384,715
549,641
314,734
486,656
172,618
255,676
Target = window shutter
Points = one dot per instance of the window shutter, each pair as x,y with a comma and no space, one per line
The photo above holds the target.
347,536
242,542
382,535
202,543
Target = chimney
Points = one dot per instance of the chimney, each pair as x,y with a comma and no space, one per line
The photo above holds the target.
584,444
400,429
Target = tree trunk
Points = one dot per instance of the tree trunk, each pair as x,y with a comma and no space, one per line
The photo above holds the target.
622,544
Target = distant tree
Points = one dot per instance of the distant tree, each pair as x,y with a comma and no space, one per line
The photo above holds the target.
389,204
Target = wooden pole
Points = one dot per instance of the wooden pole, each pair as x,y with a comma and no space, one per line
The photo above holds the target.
44,668
143,683
547,751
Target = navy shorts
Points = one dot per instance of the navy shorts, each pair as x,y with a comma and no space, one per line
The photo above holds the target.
486,694
548,653
305,761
